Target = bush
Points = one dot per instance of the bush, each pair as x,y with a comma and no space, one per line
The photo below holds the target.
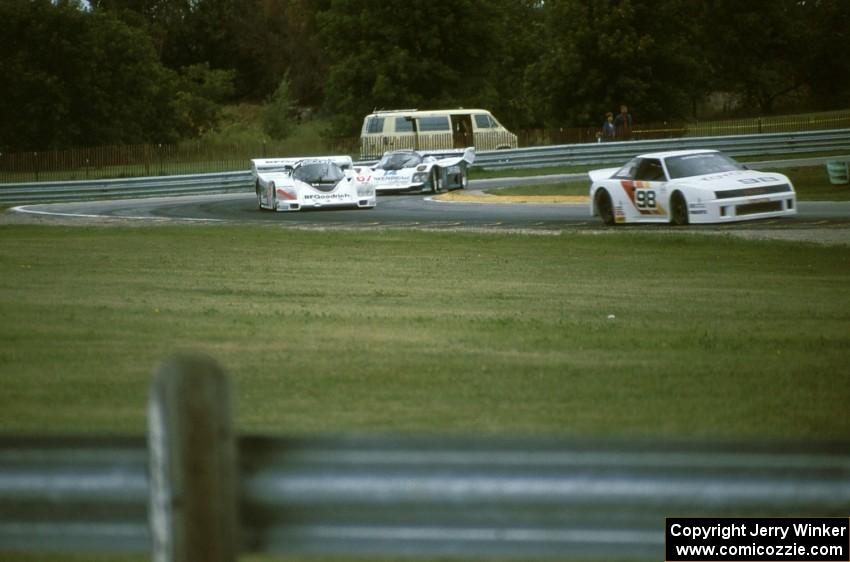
201,91
279,112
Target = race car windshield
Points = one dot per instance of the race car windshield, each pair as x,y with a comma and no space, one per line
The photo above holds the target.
399,160
318,172
700,165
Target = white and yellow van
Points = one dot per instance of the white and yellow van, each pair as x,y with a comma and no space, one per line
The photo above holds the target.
432,130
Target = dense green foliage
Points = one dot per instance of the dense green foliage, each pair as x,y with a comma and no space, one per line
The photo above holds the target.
78,78
278,112
123,71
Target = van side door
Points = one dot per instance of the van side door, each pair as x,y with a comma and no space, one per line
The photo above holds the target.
405,134
372,138
462,131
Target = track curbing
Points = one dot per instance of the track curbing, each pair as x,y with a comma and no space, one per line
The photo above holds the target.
481,197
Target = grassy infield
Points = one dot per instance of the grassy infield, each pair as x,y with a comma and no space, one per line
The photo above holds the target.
396,330
713,337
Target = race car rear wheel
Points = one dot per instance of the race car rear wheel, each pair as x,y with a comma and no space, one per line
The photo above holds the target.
604,207
273,198
464,178
678,209
435,180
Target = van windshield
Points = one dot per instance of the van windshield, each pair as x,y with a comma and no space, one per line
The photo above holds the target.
483,121
399,160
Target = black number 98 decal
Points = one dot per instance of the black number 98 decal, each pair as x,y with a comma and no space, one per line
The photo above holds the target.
645,199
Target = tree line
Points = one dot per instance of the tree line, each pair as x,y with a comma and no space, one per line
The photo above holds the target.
83,73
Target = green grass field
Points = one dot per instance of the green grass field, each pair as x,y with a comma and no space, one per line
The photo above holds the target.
713,337
414,331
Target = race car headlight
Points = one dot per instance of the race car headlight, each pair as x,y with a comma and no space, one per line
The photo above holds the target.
419,177
365,190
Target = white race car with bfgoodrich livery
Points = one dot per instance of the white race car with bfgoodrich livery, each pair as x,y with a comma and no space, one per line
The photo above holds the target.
688,186
413,170
293,184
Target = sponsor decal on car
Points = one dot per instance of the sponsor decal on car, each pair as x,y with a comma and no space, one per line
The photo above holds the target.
327,197
283,194
393,178
643,197
722,176
619,214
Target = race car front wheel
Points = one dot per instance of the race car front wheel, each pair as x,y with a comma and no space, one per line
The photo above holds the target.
604,207
435,180
678,209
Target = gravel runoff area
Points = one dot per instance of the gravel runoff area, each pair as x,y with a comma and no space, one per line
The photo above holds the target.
826,236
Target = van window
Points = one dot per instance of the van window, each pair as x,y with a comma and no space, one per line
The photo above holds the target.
375,125
432,130
437,123
483,121
403,125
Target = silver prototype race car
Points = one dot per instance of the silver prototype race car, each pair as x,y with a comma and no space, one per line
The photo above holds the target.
292,184
688,186
412,170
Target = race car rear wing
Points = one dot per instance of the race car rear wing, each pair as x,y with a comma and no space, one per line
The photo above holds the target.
467,154
604,174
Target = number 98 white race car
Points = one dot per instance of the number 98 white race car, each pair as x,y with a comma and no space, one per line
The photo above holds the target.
688,186
292,184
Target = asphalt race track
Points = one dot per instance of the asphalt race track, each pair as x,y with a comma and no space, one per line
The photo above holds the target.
416,211
423,211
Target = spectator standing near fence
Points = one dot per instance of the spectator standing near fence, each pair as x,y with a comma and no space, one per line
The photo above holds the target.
623,124
608,129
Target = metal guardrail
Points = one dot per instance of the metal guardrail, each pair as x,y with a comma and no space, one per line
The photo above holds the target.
619,152
536,157
384,495
158,186
459,497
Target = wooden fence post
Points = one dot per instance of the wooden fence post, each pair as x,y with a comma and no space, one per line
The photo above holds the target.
193,465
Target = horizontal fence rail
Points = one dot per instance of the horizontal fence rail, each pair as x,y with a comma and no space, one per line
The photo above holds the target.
537,157
619,152
159,186
74,494
461,497
385,495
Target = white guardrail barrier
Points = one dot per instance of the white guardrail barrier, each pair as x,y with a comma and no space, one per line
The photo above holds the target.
620,152
535,157
196,491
